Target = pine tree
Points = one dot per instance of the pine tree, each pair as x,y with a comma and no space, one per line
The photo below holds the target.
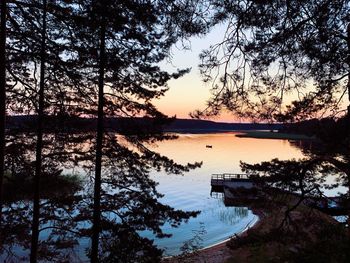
131,41
137,37
285,60
2,97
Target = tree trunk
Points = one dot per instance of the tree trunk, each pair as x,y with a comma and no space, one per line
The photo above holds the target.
348,113
2,97
348,60
39,144
96,228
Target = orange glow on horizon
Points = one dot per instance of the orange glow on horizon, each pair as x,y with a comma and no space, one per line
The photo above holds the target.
190,93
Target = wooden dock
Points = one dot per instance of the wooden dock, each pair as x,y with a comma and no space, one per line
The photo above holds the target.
235,189
231,181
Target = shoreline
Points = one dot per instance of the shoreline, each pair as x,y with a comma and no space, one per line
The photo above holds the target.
275,136
250,225
217,252
310,221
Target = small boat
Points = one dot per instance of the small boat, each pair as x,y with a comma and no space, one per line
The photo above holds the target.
209,146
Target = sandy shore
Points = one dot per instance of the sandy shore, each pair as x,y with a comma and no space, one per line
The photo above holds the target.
213,254
219,252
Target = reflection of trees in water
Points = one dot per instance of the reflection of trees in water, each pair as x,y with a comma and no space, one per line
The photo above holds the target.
129,199
195,243
232,216
58,201
304,145
227,215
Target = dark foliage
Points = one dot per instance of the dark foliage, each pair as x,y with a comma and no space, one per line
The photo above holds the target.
279,60
79,46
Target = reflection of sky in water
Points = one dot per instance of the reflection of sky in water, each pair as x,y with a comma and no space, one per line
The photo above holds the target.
192,190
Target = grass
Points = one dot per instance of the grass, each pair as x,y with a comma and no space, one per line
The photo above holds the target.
309,235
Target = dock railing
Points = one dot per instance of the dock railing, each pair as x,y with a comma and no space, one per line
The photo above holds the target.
218,180
228,176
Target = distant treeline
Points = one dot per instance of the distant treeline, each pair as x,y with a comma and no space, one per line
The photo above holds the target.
184,125
27,123
308,127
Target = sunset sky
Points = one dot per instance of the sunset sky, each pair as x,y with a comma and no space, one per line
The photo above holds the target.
189,93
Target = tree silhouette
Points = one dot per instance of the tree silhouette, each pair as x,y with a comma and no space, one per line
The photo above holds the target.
2,96
285,60
39,143
59,200
134,37
306,179
38,37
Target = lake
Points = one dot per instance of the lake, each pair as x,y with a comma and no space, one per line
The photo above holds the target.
191,191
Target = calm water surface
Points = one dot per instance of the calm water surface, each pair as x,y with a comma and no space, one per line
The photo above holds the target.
192,190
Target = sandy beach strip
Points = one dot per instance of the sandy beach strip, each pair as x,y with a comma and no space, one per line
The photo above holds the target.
219,252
